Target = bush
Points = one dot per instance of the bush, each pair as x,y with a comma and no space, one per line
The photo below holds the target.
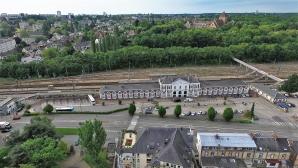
162,111
119,102
131,109
178,110
48,109
211,113
228,114
28,106
103,103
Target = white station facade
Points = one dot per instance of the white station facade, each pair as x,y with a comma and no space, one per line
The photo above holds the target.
175,86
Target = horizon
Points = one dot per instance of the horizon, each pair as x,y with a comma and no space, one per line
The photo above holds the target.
121,7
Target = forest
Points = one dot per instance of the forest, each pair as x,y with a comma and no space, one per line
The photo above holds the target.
250,37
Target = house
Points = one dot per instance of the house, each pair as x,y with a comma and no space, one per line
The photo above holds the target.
6,45
222,162
159,147
294,150
230,145
175,86
273,151
220,21
265,91
7,106
24,25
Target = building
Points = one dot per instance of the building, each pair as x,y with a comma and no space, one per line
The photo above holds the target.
24,25
7,106
265,91
59,13
220,21
175,86
231,145
222,162
159,147
274,152
294,150
6,45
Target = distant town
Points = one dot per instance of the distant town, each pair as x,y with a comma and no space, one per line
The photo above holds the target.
216,90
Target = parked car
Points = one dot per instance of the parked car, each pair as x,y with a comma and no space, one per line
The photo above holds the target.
188,100
16,117
193,113
176,99
187,113
291,105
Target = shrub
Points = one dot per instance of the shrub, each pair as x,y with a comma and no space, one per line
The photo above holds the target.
211,113
119,102
48,108
131,109
162,111
178,110
228,114
103,103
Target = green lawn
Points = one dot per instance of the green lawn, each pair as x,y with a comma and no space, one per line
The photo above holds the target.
68,131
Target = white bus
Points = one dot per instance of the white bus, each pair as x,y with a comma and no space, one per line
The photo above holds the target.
63,109
91,99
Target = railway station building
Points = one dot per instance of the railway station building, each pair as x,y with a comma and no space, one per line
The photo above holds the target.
175,86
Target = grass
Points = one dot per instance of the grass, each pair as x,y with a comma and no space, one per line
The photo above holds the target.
67,131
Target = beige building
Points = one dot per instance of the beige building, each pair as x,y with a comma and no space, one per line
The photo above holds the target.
159,147
220,21
294,153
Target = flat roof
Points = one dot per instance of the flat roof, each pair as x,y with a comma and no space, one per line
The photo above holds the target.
226,140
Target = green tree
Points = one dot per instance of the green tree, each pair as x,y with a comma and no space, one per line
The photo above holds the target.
48,108
42,152
4,160
252,111
228,114
92,138
131,109
27,166
178,110
50,53
291,85
211,113
162,111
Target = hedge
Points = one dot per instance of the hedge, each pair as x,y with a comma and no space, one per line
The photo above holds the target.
73,112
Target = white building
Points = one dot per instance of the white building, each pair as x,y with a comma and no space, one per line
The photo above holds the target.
174,86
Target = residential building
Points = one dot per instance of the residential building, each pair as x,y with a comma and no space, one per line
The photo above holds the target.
270,94
273,151
294,153
159,147
8,106
6,45
231,145
24,25
222,162
220,21
175,86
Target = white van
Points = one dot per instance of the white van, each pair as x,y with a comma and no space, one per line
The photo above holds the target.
5,125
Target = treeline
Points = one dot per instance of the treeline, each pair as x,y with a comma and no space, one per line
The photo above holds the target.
56,64
271,30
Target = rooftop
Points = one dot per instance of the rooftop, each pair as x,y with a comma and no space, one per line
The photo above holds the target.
171,79
226,140
266,89
7,100
223,162
272,144
171,145
131,86
221,83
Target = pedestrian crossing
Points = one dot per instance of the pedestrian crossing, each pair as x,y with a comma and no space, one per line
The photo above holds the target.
285,124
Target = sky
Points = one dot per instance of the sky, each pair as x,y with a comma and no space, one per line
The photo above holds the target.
145,6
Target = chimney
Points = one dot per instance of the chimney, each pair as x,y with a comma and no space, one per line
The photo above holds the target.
252,135
274,136
290,142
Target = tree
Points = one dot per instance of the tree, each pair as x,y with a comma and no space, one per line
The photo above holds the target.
92,137
131,109
211,113
228,114
27,166
38,127
42,152
178,110
4,160
252,111
162,111
48,108
291,85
